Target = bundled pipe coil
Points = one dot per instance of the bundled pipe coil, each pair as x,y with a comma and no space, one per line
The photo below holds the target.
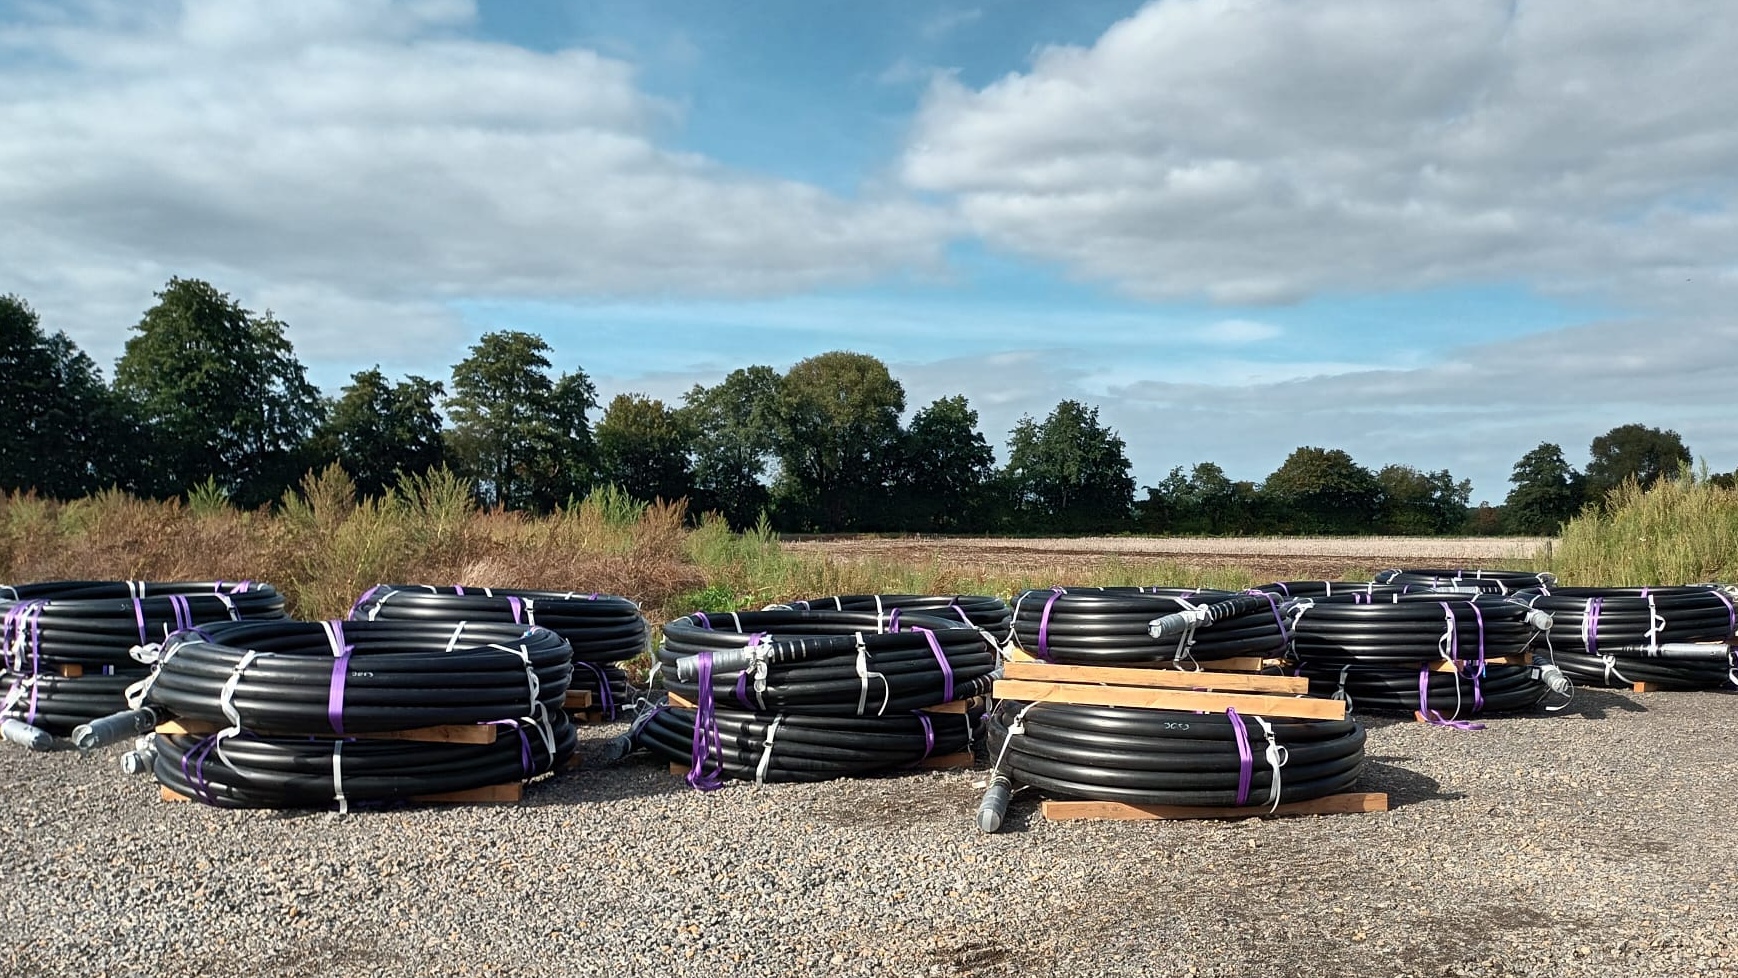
1377,652
1480,581
785,747
809,695
602,629
1327,589
987,612
1673,637
69,646
296,701
1108,626
1173,757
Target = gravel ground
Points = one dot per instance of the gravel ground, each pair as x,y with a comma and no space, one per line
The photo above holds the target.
1600,841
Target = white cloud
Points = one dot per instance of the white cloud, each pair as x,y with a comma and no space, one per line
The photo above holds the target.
1239,331
1262,150
355,154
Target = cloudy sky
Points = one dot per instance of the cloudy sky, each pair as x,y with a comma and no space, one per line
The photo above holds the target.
1429,233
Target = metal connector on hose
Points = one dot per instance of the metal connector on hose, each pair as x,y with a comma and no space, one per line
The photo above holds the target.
115,728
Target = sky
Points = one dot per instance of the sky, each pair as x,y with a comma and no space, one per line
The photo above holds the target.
1429,234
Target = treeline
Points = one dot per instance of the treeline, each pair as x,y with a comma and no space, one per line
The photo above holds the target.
209,396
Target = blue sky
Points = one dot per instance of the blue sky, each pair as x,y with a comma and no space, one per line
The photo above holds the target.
1429,234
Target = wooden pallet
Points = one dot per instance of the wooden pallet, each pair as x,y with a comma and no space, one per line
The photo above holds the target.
464,733
1342,804
493,794
1039,682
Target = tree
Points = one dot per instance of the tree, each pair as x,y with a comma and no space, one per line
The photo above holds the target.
1320,490
1417,503
67,435
523,436
1069,473
223,392
836,428
946,465
1204,501
378,431
1633,451
733,424
1546,493
642,447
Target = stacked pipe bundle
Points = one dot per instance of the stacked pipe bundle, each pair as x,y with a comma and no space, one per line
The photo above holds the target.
1675,637
987,612
68,645
813,695
1325,589
1171,757
603,629
1376,651
293,699
1110,626
1482,581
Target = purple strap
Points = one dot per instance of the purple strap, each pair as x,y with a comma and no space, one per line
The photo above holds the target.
182,610
961,612
139,617
705,622
340,674
526,763
928,735
705,746
1590,625
195,775
893,621
1478,676
1245,757
946,666
518,608
1431,716
606,697
367,596
1044,625
1279,619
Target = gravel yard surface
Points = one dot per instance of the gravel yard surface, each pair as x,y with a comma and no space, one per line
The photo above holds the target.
1600,841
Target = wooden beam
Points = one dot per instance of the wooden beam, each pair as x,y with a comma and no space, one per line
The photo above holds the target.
577,699
1444,665
1155,678
1344,804
492,794
71,671
460,733
1169,699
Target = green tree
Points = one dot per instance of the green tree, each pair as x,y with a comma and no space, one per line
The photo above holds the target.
1422,503
642,447
1633,451
837,426
223,392
1069,473
521,434
1321,490
1547,492
379,430
946,465
1204,501
733,424
66,433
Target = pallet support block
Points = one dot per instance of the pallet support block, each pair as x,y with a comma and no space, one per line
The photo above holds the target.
577,699
1342,804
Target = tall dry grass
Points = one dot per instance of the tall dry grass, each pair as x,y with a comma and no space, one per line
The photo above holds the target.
1681,531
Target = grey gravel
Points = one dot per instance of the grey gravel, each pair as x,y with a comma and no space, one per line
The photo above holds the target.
1600,841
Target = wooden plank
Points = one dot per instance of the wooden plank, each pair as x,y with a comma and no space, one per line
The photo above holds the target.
1645,688
682,703
948,762
71,671
493,794
1444,665
577,699
1169,699
1344,804
462,733
1152,678
588,717
167,794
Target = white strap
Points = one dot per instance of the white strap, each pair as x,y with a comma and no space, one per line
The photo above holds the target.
863,674
1277,756
458,630
338,777
766,751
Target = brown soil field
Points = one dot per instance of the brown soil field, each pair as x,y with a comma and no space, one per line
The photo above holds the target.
1265,558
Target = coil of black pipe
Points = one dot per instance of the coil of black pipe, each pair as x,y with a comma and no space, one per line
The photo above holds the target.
804,748
1448,695
813,664
1486,581
602,629
254,771
1325,589
1613,636
68,644
1170,757
979,610
324,678
1104,626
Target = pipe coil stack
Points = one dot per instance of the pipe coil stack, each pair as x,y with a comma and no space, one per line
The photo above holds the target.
1171,757
1481,581
987,612
295,701
813,695
1673,637
68,645
1377,652
1111,626
602,629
